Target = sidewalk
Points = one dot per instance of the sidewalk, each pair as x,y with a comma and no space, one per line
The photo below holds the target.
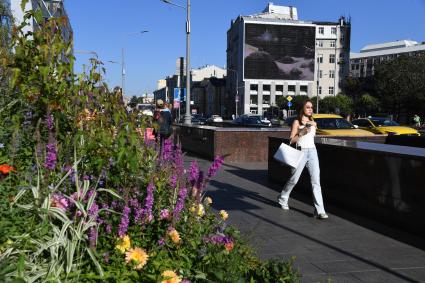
343,248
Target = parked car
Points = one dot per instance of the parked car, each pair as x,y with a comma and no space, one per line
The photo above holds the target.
333,125
250,121
214,119
384,126
263,120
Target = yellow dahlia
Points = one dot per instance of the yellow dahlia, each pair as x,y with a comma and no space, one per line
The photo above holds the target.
174,235
208,200
223,214
138,256
171,277
124,245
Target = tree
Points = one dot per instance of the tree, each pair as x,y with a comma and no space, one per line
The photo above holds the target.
400,86
367,105
340,104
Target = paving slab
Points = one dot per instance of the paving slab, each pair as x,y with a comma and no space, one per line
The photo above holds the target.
343,248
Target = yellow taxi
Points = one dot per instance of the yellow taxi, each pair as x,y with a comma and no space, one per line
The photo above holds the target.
384,126
335,125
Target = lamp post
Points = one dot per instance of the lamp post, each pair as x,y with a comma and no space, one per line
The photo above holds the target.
122,61
187,116
237,91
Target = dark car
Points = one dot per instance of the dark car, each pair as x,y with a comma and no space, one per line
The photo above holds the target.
249,121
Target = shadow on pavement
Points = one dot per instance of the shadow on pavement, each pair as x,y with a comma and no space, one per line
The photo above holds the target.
259,176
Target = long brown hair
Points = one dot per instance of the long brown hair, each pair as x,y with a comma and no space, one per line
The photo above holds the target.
301,111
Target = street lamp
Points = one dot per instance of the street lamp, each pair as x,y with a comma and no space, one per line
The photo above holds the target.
237,91
122,60
187,116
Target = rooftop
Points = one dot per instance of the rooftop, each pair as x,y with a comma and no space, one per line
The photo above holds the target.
388,48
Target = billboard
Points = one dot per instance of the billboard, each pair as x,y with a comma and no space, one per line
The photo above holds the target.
279,52
176,100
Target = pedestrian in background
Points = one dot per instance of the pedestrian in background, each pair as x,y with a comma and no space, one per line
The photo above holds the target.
417,120
163,121
302,133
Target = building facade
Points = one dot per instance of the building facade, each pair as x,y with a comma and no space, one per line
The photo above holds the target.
363,64
49,8
273,53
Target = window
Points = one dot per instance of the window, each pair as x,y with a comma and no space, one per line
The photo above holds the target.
319,58
320,43
253,87
303,88
320,90
253,99
331,74
333,30
266,99
321,30
331,90
279,88
291,88
332,58
266,87
332,43
320,74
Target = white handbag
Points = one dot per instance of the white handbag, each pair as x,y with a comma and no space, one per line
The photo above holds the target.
288,155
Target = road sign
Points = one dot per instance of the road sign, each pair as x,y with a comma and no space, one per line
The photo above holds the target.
289,98
289,103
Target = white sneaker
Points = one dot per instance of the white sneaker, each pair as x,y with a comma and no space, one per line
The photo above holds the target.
283,203
320,215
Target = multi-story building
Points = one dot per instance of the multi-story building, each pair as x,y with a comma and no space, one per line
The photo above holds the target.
49,8
363,64
273,53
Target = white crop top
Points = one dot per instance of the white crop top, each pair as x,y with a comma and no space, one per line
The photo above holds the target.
307,141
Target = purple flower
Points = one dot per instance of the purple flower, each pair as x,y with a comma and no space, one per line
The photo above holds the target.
161,242
185,281
108,229
125,220
138,212
147,210
173,181
164,214
178,160
193,172
180,203
93,237
59,201
218,161
218,239
49,122
51,156
167,149
94,210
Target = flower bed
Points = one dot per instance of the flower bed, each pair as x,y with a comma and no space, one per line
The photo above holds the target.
85,197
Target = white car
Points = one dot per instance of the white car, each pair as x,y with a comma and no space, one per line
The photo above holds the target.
215,119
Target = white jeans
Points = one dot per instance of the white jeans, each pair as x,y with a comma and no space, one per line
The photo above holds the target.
312,161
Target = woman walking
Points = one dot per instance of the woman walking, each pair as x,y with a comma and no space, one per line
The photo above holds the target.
302,133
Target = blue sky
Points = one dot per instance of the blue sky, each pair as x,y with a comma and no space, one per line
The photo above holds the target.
103,26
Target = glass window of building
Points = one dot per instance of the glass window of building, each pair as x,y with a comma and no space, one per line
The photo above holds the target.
291,88
320,43
320,73
320,58
266,99
253,87
333,30
320,90
331,90
303,88
332,58
253,99
331,74
266,87
279,88
321,30
332,43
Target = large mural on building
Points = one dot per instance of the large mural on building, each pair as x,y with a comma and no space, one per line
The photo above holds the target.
279,52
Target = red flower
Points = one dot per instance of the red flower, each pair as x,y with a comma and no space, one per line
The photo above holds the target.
6,169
